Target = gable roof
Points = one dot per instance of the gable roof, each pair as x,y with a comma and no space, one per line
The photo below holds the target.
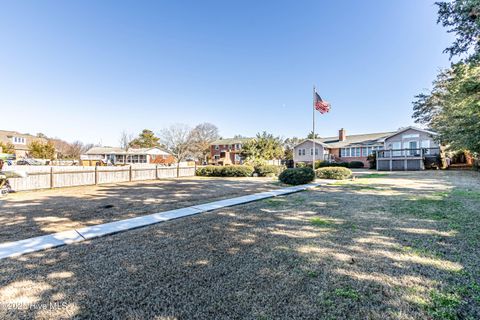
356,139
317,141
411,128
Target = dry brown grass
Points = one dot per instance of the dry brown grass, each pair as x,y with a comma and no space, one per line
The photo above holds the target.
398,247
28,214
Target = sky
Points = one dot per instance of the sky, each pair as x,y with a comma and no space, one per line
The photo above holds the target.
87,70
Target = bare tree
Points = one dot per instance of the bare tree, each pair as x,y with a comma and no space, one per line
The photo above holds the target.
125,139
203,135
76,149
177,140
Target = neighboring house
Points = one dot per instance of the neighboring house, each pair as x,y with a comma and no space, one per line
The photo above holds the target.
20,141
407,142
121,156
227,151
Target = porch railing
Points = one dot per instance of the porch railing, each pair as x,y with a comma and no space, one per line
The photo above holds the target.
407,153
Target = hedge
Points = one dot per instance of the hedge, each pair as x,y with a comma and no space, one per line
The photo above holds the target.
267,170
337,173
356,164
227,171
296,176
325,164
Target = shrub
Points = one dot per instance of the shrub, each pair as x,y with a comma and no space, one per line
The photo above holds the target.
324,164
337,173
297,176
237,171
206,171
301,164
268,170
476,165
432,162
227,171
372,158
356,164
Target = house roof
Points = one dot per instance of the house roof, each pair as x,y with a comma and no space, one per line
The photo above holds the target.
9,133
231,141
317,141
413,128
356,139
114,150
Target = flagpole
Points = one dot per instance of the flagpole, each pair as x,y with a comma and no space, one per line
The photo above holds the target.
313,130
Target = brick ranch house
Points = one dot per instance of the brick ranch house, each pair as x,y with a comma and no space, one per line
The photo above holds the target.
113,155
227,151
403,149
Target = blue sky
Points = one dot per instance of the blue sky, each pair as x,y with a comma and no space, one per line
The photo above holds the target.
87,70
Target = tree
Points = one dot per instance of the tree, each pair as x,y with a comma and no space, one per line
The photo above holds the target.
288,145
462,17
310,135
263,147
125,139
452,108
41,150
76,148
41,135
177,140
146,139
202,136
7,147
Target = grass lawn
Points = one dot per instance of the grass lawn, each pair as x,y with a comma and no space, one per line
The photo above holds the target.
29,214
400,246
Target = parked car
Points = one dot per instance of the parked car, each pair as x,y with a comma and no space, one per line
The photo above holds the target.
28,162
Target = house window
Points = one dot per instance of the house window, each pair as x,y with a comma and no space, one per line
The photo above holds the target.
425,143
299,152
316,151
409,136
345,152
364,152
355,152
18,140
303,152
369,151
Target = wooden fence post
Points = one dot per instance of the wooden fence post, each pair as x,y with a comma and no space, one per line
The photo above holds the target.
130,174
96,175
51,177
156,171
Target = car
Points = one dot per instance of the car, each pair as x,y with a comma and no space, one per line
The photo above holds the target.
28,162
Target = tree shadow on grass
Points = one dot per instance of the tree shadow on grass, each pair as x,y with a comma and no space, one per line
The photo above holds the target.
38,213
263,260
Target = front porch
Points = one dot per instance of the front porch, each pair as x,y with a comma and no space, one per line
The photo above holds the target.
404,159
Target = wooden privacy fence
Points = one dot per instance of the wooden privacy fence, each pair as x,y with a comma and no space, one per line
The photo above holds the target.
46,177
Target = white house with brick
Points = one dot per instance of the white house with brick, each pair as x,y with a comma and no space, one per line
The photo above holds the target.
407,142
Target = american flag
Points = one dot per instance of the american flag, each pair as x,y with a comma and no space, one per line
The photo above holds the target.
321,105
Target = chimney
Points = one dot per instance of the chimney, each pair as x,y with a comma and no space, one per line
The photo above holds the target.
342,135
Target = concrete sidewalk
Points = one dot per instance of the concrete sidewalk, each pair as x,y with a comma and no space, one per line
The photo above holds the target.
17,248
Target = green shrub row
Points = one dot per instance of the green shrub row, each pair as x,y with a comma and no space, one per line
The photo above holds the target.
352,164
227,171
267,170
296,176
337,173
